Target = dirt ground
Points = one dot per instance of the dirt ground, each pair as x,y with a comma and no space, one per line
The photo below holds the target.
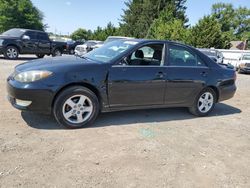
144,148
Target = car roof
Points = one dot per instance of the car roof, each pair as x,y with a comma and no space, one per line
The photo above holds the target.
155,40
39,31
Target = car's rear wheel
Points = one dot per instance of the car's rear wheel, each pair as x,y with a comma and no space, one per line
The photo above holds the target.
11,52
76,107
40,55
72,51
204,103
57,52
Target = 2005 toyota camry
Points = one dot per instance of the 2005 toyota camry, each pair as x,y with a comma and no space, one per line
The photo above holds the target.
121,75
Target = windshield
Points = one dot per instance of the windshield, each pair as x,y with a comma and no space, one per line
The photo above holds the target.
110,51
14,32
111,39
208,53
246,57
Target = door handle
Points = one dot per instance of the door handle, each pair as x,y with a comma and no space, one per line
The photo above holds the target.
203,73
160,75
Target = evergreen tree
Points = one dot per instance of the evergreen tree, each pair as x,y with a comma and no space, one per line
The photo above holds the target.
207,33
167,27
140,14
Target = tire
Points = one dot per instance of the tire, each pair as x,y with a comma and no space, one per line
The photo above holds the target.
76,107
11,52
208,96
40,55
57,52
71,52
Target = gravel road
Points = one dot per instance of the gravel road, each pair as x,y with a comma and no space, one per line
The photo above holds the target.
143,148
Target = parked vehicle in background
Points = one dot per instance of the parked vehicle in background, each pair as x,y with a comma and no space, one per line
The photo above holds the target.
70,48
113,38
87,47
214,54
244,64
25,41
121,75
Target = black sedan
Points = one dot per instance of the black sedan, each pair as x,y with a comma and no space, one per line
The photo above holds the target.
121,75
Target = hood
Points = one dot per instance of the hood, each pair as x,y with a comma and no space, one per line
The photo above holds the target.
54,64
8,37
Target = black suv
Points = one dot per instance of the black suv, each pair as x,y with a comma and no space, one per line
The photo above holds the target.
25,41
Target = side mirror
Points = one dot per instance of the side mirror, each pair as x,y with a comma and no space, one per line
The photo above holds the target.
26,37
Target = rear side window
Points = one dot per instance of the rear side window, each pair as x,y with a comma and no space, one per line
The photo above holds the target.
43,36
181,56
32,35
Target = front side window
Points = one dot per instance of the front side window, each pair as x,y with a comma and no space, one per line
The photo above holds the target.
150,54
31,34
180,56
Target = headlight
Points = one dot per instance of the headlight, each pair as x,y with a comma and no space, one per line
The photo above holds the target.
32,76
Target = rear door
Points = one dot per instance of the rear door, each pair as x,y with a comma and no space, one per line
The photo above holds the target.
44,44
141,81
186,75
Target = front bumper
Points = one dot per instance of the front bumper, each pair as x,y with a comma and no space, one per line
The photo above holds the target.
41,98
245,69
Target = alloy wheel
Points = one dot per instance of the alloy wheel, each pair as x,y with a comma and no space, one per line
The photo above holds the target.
77,109
205,102
12,53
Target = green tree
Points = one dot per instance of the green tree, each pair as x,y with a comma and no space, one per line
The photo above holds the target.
140,14
207,33
80,34
235,22
103,33
167,27
20,14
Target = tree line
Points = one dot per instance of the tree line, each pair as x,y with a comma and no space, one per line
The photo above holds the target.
153,19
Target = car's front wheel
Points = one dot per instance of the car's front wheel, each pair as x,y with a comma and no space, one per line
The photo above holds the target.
11,52
204,103
76,107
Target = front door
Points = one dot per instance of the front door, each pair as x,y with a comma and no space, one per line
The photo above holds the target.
31,45
141,81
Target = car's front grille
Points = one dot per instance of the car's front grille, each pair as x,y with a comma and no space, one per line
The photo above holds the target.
247,64
80,49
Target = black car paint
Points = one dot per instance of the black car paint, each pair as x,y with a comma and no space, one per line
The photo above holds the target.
120,87
35,45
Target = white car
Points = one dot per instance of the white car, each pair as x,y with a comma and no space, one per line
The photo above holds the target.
87,46
243,64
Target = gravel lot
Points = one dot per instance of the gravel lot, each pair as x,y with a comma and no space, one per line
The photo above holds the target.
144,148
